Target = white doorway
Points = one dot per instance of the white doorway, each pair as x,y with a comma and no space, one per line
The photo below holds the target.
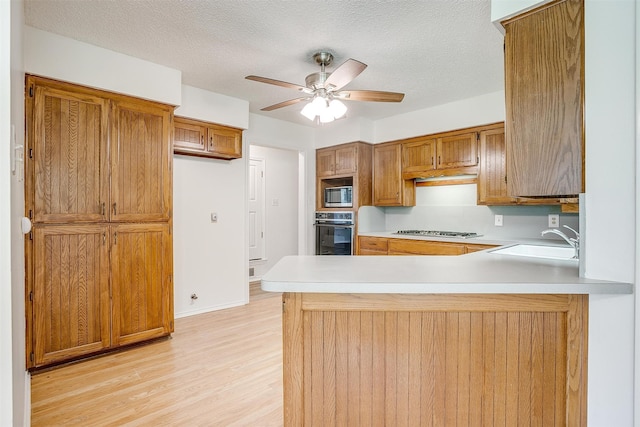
273,207
256,209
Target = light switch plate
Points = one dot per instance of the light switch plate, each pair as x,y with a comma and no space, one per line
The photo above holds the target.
554,220
498,221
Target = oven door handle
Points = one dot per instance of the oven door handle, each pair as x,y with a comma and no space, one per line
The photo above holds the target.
332,225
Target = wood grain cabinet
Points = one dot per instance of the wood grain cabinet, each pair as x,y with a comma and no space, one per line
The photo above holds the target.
344,165
98,164
446,154
198,138
544,89
389,186
492,176
370,245
337,161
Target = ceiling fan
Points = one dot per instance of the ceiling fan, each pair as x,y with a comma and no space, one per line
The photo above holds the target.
324,90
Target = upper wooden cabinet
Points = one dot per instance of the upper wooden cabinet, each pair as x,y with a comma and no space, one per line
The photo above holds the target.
389,186
69,156
345,164
337,161
437,155
140,166
544,80
198,138
492,176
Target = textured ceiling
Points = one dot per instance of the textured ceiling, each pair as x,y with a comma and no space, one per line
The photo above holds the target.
434,51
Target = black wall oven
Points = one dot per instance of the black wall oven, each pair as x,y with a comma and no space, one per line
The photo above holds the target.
334,233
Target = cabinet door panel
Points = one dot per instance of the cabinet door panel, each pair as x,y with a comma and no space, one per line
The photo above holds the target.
70,292
544,101
141,162
325,162
419,156
224,143
70,156
141,259
346,160
419,247
457,151
188,137
387,176
492,182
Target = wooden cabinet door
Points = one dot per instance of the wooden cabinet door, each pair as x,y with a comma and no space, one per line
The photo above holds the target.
368,245
544,63
346,160
188,137
224,142
418,156
387,175
492,177
140,161
325,162
70,158
141,263
457,151
421,247
71,307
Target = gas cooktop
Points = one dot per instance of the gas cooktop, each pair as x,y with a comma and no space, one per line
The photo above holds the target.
435,233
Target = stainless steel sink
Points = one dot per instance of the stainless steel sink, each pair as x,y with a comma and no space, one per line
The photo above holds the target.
537,251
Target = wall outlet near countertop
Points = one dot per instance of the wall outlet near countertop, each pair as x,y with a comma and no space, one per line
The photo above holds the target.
554,220
498,221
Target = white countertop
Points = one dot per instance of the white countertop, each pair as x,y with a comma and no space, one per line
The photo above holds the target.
479,272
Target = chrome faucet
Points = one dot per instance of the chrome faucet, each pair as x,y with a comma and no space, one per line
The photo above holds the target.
573,241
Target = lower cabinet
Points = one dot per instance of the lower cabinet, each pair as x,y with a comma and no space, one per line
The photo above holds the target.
369,245
98,287
70,300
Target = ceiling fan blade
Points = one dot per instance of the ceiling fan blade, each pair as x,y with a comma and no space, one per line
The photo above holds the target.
276,82
341,76
283,104
370,95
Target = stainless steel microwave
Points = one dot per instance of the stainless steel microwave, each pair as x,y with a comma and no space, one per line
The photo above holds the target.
338,197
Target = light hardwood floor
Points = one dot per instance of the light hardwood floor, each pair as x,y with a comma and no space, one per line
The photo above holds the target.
222,368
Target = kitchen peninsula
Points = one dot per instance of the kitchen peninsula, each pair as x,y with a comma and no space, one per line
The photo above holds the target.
431,340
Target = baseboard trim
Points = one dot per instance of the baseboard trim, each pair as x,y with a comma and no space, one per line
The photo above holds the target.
209,309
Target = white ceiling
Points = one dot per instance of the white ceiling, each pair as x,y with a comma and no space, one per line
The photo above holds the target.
434,51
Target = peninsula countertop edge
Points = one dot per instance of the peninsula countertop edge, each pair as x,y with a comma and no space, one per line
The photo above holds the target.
474,273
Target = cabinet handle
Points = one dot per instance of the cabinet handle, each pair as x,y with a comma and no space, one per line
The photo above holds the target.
439,160
104,237
202,140
103,209
210,142
433,161
115,238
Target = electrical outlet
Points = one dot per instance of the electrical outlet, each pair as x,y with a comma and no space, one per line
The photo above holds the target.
554,220
214,216
498,221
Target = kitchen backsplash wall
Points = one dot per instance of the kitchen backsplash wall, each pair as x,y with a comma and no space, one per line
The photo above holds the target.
454,208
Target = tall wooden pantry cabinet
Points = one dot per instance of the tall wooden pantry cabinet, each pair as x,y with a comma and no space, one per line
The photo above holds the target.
98,190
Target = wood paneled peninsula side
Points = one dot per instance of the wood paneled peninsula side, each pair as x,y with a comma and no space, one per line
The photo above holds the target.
434,340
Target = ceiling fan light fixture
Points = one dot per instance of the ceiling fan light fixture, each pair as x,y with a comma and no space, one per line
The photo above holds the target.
327,116
309,111
338,109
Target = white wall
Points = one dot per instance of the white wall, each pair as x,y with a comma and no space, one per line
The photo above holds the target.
210,258
51,55
267,132
281,204
6,354
469,112
15,388
609,247
340,131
